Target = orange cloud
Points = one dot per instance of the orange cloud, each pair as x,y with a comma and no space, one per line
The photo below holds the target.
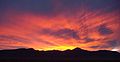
60,32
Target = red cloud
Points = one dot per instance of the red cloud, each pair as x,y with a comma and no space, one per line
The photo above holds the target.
30,27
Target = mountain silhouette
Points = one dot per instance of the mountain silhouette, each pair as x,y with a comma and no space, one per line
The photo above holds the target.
23,54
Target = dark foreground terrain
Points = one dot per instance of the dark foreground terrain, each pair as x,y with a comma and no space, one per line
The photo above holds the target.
31,55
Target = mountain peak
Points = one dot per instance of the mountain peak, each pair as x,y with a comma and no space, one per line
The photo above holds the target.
30,53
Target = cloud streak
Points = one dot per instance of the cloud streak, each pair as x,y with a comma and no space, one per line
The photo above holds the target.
59,24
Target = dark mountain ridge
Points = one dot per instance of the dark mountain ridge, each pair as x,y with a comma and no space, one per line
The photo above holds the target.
75,54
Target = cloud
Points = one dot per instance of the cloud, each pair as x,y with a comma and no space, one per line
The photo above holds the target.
74,24
94,46
61,33
45,42
113,43
87,39
14,38
10,47
103,30
108,44
66,33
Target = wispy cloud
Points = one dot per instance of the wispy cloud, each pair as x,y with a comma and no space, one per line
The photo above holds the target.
50,24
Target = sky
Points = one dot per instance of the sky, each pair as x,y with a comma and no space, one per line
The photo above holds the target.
60,24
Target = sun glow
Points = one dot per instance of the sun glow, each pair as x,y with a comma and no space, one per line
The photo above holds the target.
61,48
115,49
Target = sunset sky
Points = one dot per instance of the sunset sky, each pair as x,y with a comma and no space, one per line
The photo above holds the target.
60,24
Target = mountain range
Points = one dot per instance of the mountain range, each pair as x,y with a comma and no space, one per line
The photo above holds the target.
78,54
